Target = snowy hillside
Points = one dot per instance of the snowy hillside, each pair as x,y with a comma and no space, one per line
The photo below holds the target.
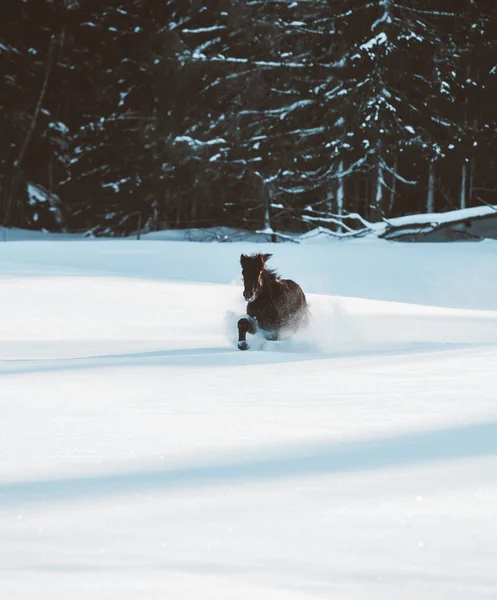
144,456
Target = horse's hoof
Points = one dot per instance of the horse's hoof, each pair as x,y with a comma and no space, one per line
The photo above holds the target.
242,346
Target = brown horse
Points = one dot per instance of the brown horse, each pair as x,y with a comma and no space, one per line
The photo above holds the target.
276,307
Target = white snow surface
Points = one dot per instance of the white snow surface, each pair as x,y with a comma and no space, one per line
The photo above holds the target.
145,457
446,217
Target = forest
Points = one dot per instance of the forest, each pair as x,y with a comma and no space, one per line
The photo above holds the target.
258,114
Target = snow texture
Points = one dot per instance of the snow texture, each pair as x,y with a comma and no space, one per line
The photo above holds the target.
36,194
144,456
446,217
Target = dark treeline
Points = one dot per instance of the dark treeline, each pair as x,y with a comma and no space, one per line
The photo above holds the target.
250,113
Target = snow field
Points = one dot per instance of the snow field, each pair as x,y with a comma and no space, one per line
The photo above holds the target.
144,456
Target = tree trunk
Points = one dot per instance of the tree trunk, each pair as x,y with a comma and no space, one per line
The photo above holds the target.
394,186
367,199
378,200
430,198
329,198
50,176
464,177
267,212
340,195
12,189
194,210
357,194
265,196
471,191
178,213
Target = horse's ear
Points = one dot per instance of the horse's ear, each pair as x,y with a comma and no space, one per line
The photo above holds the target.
266,257
243,258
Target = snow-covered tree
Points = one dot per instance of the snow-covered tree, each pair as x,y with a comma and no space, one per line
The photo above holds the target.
33,138
264,114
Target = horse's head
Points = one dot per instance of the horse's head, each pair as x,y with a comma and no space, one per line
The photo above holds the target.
252,271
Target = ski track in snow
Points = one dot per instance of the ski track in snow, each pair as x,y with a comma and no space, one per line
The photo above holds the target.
144,456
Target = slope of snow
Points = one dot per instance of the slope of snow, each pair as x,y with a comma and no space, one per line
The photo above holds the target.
144,456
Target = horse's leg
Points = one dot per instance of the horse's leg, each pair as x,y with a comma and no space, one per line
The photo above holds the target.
245,325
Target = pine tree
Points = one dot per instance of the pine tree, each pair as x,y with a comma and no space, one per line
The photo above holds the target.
33,141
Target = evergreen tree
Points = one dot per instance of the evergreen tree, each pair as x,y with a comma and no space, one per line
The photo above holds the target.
33,140
149,114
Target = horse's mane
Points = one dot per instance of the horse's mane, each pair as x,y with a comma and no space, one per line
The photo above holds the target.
271,273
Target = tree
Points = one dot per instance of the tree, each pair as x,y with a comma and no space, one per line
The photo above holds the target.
31,136
246,113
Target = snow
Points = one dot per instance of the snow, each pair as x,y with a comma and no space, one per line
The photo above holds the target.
379,39
144,456
385,18
283,111
59,126
257,63
205,29
307,132
36,194
115,185
195,143
446,217
206,44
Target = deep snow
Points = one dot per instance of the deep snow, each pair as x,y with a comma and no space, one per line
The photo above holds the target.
144,456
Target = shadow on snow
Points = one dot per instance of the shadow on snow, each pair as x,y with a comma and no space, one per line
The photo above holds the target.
263,353
420,448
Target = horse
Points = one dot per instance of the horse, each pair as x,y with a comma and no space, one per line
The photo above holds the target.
276,307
